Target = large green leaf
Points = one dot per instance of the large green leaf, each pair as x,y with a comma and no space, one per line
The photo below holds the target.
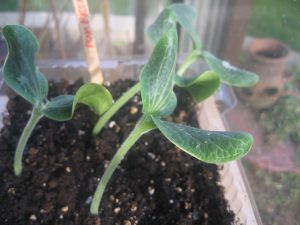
157,76
60,108
230,74
200,87
184,14
20,72
161,25
168,108
97,97
186,17
207,146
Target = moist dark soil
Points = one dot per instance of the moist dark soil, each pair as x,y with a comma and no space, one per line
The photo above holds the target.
156,184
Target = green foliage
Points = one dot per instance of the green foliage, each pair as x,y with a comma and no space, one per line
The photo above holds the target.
184,14
229,74
97,97
200,87
157,76
119,7
277,19
186,17
22,76
157,80
293,83
282,119
11,5
207,146
20,73
60,108
161,25
277,195
296,74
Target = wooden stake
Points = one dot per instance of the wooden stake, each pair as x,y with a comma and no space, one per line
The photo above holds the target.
105,13
91,53
22,11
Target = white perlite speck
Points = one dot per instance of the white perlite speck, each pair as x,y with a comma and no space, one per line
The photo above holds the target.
151,190
33,217
111,124
117,210
65,209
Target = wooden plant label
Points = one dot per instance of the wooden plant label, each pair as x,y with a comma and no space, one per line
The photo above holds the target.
91,53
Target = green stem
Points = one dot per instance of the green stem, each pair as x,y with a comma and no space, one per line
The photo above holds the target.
143,126
190,59
115,107
33,120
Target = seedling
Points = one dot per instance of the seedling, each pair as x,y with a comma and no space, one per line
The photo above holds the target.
157,79
201,86
22,76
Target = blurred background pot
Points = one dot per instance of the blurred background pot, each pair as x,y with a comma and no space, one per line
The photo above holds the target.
268,58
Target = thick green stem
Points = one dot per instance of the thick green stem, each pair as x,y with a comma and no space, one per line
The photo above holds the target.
115,107
142,127
190,59
33,120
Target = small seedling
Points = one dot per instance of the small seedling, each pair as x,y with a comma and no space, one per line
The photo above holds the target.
22,76
201,86
157,79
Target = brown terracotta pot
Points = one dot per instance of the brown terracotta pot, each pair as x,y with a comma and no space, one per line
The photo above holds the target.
267,58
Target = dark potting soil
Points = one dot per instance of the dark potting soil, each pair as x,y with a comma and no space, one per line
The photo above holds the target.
156,184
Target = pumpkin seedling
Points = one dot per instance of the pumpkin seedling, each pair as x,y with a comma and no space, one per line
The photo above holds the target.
201,86
157,79
22,76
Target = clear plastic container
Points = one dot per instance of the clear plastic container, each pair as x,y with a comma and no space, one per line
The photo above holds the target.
237,191
226,28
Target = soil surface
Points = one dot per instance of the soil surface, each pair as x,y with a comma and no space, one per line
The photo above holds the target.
156,184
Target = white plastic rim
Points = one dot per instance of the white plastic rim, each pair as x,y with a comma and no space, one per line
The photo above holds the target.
233,179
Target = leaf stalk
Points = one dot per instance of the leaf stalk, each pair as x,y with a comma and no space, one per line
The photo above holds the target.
142,127
36,115
115,107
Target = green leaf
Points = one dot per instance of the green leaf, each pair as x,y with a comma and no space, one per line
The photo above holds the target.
60,108
230,74
200,87
207,146
186,17
43,84
20,72
157,76
184,14
161,25
170,105
97,97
